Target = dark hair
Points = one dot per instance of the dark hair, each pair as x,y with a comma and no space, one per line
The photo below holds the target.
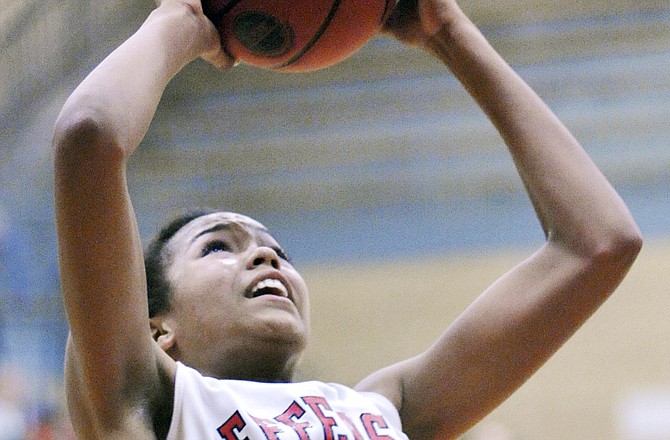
156,259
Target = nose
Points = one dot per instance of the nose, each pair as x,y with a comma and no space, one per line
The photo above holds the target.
263,255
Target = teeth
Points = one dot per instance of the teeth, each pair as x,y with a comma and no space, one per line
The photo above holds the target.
270,283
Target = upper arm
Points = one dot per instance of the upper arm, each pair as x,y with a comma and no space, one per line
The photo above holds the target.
500,340
101,268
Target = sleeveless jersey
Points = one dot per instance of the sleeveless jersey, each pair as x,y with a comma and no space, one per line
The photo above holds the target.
206,408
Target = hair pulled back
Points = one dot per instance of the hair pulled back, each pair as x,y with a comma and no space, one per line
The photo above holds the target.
157,258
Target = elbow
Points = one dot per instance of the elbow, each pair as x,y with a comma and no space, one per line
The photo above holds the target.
82,138
618,251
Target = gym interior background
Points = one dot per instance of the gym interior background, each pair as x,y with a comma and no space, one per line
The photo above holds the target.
391,191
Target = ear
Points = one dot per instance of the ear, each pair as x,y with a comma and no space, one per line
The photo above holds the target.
163,332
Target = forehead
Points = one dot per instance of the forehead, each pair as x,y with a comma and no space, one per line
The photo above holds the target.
214,221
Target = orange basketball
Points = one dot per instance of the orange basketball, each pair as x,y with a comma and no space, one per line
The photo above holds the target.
296,35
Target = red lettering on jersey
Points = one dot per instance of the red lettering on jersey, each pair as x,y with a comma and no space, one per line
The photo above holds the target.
371,422
269,427
232,426
347,421
290,417
318,404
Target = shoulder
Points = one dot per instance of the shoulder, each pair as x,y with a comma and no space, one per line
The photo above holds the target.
387,382
144,414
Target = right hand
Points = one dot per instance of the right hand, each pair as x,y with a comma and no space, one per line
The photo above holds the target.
211,50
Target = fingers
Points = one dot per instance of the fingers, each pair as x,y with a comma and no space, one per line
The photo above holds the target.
414,22
194,5
404,23
221,60
217,55
206,35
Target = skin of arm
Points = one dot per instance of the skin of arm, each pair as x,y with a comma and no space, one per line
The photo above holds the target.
116,375
114,370
501,339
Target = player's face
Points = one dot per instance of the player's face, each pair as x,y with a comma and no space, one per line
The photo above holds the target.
234,290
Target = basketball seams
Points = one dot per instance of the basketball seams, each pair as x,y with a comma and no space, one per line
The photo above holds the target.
330,37
319,33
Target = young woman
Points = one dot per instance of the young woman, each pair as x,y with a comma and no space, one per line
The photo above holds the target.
230,315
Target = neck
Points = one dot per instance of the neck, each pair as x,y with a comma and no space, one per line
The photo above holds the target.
272,365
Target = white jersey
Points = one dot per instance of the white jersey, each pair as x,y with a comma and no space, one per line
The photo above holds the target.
208,408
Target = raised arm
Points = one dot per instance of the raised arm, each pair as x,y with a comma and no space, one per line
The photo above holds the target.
524,317
112,366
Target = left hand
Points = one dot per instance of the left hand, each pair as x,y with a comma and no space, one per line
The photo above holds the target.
414,22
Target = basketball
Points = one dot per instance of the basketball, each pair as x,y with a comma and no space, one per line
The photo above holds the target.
296,35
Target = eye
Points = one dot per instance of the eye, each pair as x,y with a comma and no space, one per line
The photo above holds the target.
215,246
281,253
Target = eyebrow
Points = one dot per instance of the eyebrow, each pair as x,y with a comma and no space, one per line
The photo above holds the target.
223,227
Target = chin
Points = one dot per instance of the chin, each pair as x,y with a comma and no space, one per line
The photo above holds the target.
285,332
279,325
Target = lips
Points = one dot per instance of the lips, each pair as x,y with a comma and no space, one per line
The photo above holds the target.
270,284
269,287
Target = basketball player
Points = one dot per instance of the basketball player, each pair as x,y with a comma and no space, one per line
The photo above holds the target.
216,357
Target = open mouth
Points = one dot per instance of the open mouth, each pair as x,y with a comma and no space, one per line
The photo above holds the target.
269,287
